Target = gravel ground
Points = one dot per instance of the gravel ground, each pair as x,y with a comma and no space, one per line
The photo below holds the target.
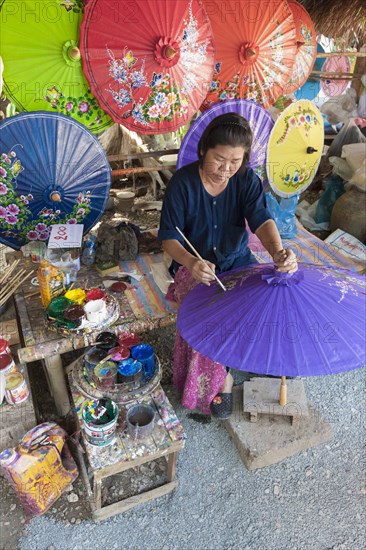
315,500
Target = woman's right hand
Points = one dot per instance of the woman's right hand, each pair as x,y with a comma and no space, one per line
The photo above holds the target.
202,271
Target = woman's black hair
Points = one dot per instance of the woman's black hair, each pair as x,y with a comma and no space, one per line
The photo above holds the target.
229,129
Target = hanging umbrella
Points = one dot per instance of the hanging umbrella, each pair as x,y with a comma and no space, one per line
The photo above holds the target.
255,50
39,46
306,46
311,88
52,170
294,148
148,63
310,323
339,65
259,120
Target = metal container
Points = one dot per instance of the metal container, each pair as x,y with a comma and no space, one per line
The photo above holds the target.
140,421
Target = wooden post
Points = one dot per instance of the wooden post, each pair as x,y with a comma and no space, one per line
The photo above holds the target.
58,384
283,391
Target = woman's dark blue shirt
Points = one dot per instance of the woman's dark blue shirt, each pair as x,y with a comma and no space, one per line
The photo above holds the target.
214,225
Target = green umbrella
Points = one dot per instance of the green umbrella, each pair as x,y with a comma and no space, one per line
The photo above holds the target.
42,66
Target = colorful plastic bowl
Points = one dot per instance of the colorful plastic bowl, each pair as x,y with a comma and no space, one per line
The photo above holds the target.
119,353
128,339
106,340
58,306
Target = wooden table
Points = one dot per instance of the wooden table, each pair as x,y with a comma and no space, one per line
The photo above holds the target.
166,440
42,343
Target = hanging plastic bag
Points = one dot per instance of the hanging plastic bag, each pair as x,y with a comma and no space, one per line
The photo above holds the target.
283,213
341,108
334,188
350,133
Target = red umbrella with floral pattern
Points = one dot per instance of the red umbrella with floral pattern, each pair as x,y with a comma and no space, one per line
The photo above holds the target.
148,63
306,47
255,50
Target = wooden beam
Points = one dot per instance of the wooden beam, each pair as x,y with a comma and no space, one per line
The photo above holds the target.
153,154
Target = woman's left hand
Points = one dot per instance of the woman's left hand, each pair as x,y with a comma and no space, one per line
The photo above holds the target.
285,260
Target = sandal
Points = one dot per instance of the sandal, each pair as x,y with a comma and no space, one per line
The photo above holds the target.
222,406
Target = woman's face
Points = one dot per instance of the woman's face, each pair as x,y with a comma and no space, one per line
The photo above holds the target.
222,162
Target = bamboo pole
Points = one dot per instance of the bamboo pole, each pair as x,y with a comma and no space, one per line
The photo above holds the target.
340,54
4,298
9,270
283,391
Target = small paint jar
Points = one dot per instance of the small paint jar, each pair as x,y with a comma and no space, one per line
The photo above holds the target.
106,340
16,390
4,347
57,307
119,353
118,287
7,365
95,294
128,339
105,374
75,312
145,354
95,311
140,420
128,371
76,295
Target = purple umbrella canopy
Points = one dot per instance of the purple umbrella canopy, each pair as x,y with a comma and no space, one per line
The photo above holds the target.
259,120
310,323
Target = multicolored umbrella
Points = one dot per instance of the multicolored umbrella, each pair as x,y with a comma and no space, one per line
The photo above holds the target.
52,170
295,148
255,50
310,323
148,62
39,46
259,120
311,88
306,46
339,64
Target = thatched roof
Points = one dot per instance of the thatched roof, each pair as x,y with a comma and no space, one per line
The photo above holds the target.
338,18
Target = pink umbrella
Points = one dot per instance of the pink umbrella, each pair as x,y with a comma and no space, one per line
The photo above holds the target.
338,65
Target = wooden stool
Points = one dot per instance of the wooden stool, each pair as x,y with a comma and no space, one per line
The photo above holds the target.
167,439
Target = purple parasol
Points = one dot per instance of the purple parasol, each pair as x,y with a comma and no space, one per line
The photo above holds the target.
259,120
310,323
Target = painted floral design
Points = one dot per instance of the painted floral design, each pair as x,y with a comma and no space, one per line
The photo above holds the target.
304,119
344,282
84,107
304,58
17,220
167,99
76,6
248,86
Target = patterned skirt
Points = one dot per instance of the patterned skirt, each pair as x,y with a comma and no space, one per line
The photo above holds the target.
198,378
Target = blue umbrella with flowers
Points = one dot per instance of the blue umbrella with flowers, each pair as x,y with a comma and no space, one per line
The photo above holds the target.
52,170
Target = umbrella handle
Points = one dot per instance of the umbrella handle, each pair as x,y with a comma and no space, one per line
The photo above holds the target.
283,391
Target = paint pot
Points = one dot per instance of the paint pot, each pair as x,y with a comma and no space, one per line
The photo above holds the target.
57,307
105,374
95,294
106,340
75,313
145,354
129,371
91,358
95,311
7,365
140,421
119,353
16,389
76,295
128,339
4,347
100,421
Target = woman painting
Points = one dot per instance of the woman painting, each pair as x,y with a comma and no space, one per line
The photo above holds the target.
210,201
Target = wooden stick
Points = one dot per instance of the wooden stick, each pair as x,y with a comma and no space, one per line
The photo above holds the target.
341,54
283,391
9,270
7,286
335,73
200,257
3,299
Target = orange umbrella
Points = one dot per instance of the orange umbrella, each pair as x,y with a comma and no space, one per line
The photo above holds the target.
255,49
306,46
